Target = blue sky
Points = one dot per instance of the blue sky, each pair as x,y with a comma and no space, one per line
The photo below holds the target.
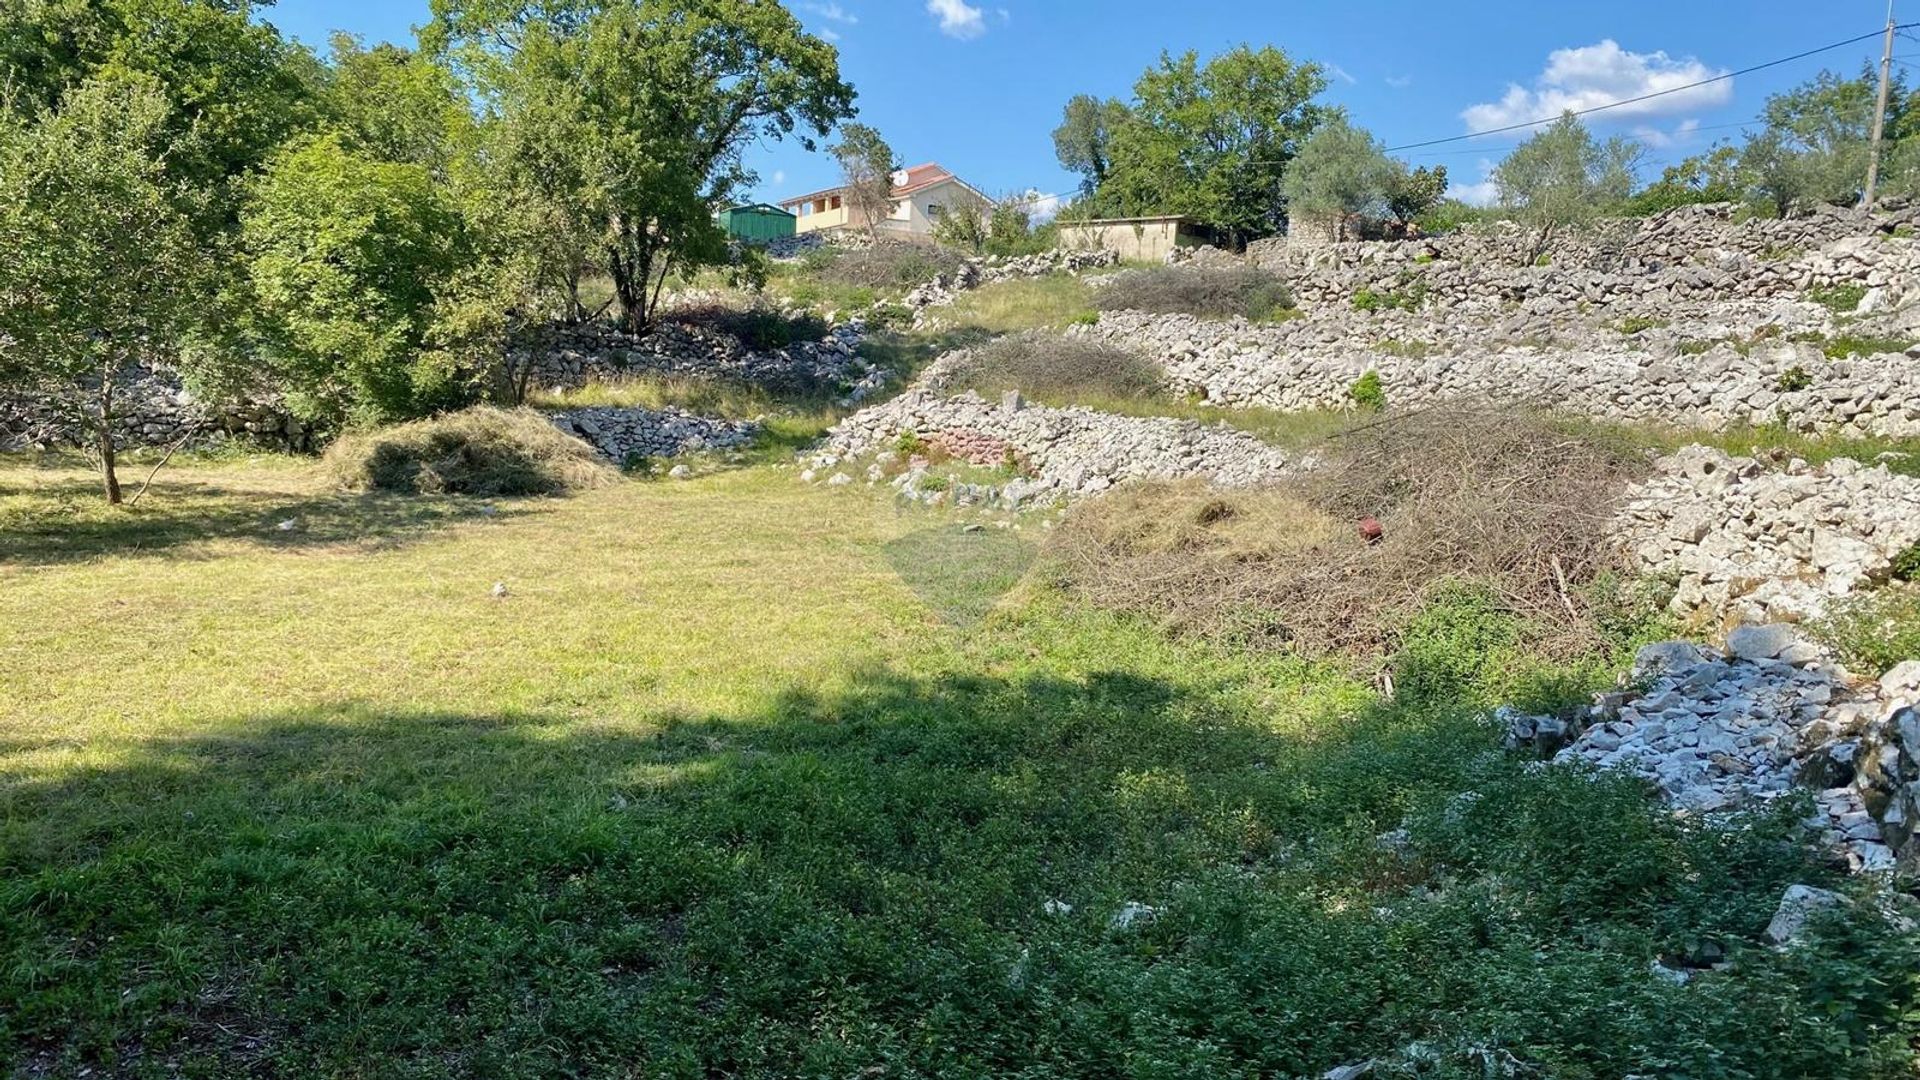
978,84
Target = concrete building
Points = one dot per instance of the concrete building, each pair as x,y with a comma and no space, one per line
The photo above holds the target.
1141,239
920,195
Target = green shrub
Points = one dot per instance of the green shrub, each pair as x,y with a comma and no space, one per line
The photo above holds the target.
909,442
1543,259
1085,318
1206,291
1906,565
1638,324
1368,392
1839,299
1409,295
1873,631
479,451
1793,380
760,329
1846,345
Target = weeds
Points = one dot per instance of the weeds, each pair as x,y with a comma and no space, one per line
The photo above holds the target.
1208,292
1049,367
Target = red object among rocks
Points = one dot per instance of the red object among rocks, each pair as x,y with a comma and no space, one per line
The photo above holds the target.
1370,530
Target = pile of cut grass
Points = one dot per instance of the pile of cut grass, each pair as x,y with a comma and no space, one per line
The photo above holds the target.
480,451
1053,368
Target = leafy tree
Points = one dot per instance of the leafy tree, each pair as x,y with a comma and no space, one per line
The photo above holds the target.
1703,178
867,166
646,109
1340,174
393,104
346,256
1083,142
1816,140
1562,177
1413,192
1213,141
963,224
232,83
98,262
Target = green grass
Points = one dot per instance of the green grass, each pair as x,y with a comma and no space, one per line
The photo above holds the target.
1022,304
1901,455
745,777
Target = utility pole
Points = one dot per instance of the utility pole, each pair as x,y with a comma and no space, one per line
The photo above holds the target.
1880,111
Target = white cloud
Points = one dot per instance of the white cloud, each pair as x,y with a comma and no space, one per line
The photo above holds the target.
1042,208
1592,75
1655,138
832,12
829,34
958,19
1399,82
1340,73
779,176
1481,193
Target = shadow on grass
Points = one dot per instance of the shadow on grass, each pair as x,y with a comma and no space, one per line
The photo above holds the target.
830,881
882,876
68,522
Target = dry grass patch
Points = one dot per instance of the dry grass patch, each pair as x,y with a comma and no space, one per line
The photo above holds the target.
1514,503
479,451
1211,292
1054,368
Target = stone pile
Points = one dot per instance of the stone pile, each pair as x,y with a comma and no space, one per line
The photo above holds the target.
1064,453
1758,544
580,354
1717,730
945,289
154,409
1535,361
629,434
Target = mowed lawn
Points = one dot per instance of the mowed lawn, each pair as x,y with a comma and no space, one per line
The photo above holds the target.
742,777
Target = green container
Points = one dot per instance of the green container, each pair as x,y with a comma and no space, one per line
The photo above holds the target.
757,223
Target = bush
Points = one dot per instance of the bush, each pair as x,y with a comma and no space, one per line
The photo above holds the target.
889,267
1514,502
1368,392
480,451
1874,631
1793,380
1205,291
1839,299
1063,369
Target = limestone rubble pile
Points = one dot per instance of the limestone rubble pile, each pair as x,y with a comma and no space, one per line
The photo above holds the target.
1766,544
1717,730
627,434
1064,452
578,355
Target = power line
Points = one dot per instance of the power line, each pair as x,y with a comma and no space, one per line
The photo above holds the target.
1878,31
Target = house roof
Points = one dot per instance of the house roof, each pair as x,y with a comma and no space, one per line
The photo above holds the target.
919,178
768,207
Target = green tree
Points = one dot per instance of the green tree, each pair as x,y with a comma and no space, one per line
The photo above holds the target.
1412,193
1340,174
647,108
98,262
1562,177
1213,141
393,104
1815,141
346,256
1703,178
1083,142
867,166
963,224
232,82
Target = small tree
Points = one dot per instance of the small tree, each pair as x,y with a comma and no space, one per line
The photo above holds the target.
963,224
346,257
1340,174
866,168
97,257
1413,192
1084,140
1562,178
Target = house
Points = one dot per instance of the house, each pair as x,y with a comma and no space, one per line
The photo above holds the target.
757,223
920,195
1137,239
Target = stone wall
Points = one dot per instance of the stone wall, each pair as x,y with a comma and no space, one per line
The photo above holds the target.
625,434
154,409
1597,373
581,354
1748,543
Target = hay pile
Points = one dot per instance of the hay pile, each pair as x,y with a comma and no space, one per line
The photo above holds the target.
1515,503
479,451
1050,367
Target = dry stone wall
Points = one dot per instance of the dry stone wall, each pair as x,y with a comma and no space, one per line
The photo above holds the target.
1757,544
153,409
626,434
1064,452
582,354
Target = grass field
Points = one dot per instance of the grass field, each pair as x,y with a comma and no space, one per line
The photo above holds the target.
743,777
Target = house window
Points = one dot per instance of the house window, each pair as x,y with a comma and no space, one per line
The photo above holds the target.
934,210
836,202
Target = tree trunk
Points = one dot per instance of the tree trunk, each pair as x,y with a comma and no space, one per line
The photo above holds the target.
109,478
